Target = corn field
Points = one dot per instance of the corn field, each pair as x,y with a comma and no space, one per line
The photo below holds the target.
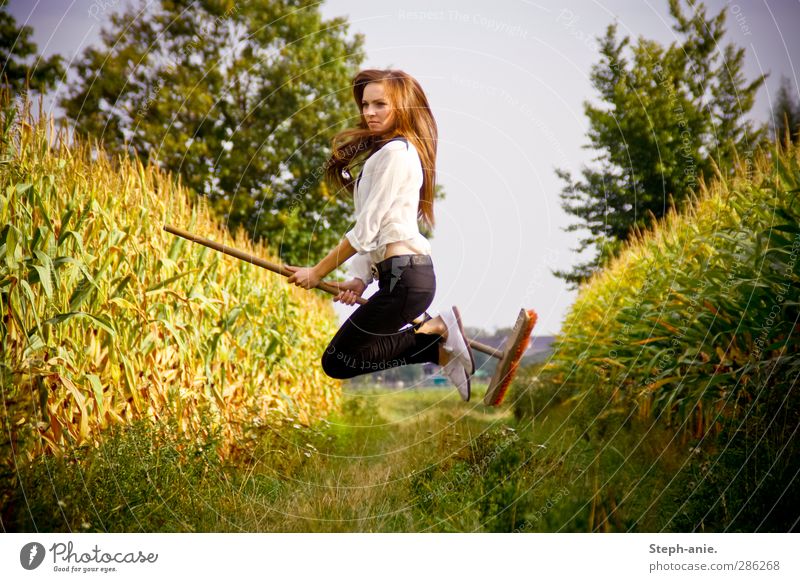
107,318
698,317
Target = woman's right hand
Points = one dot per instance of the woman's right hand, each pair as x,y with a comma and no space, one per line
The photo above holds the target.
350,291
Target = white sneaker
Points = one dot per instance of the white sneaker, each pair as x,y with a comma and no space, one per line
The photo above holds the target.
455,370
456,342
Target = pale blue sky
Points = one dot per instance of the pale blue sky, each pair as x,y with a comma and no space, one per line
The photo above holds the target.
506,81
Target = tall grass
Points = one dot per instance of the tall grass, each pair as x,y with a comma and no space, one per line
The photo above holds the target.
107,319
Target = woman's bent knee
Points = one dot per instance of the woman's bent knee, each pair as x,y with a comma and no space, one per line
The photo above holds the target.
334,367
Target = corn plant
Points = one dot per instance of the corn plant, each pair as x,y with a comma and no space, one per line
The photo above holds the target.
107,318
699,316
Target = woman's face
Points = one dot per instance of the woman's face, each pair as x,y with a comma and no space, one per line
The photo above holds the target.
376,108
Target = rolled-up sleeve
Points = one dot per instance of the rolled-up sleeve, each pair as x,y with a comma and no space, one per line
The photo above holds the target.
390,169
360,267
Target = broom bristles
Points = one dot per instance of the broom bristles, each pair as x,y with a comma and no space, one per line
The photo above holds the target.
500,394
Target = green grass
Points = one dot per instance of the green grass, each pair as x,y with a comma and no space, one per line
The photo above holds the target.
413,460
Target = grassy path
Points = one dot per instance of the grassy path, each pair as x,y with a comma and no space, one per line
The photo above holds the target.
392,453
413,460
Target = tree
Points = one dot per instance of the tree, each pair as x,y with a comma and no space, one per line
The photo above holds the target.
16,48
786,113
240,99
666,117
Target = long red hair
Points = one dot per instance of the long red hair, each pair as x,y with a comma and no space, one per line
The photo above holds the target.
412,119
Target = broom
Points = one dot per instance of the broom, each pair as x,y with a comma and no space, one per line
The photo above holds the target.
515,346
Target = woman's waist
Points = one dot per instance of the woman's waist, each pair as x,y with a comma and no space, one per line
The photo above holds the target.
403,248
401,243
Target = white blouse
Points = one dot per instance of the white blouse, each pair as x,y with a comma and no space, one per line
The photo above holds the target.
386,198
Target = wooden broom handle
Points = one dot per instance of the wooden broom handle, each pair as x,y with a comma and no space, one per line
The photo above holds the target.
248,258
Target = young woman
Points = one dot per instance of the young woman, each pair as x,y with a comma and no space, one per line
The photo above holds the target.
395,145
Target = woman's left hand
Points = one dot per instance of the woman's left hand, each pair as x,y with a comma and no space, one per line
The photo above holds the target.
305,277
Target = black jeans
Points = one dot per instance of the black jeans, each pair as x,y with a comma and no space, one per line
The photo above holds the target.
372,339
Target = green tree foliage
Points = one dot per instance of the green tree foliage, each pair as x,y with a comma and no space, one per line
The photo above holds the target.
16,50
666,117
786,113
240,99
